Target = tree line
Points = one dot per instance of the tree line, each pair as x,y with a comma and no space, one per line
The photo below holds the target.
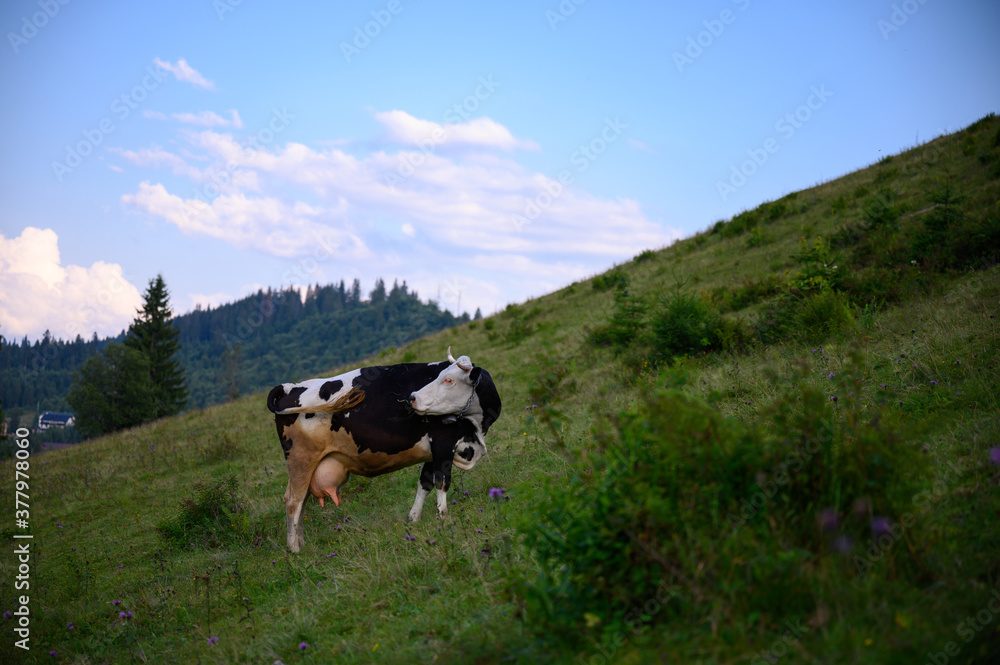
271,336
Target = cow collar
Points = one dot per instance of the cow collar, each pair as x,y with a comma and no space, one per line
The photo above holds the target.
454,417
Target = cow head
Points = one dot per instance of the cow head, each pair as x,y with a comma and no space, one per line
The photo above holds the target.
459,389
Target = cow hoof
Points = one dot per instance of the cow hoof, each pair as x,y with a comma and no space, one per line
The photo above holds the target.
413,518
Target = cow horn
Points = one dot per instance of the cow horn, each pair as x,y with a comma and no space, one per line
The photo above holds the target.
451,358
467,365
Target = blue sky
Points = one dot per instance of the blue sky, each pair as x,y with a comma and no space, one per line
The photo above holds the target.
482,152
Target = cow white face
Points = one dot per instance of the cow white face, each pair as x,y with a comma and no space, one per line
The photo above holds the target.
449,393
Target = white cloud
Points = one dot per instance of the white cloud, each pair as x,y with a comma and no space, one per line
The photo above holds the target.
157,157
182,71
38,293
269,225
477,209
640,146
483,132
202,118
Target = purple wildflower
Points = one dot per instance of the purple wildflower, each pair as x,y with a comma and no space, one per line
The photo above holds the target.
994,455
831,375
53,654
842,544
409,537
881,526
122,614
213,640
479,530
116,602
320,583
496,492
7,614
70,625
829,520
331,554
303,646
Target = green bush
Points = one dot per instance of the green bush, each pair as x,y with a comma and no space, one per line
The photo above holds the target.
823,315
736,521
215,516
685,324
625,326
610,280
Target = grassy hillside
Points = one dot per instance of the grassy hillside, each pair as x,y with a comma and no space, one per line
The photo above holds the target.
889,361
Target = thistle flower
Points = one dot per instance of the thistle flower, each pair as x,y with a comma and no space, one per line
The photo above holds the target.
213,640
303,646
829,520
881,526
994,455
496,492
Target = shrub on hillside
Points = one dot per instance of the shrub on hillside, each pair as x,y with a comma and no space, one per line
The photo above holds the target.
611,280
685,324
213,517
736,521
625,327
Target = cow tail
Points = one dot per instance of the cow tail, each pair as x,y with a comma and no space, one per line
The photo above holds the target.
345,403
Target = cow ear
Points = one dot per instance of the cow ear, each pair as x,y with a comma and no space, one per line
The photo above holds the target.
489,398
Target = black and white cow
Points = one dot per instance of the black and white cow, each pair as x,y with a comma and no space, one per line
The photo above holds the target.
374,420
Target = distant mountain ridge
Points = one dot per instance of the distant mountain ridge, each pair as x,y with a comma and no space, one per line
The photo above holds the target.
243,346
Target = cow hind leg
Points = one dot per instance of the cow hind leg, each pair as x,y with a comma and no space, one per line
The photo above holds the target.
300,471
424,487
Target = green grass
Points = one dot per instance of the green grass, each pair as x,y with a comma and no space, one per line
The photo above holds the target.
925,352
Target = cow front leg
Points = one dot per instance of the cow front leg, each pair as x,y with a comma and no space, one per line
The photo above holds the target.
442,481
424,486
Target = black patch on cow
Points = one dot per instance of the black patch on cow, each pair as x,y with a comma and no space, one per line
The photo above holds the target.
309,415
330,388
277,400
489,398
335,423
280,423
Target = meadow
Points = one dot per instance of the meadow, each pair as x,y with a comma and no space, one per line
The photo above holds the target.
775,441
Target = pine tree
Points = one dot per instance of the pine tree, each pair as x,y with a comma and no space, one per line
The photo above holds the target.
112,390
153,334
